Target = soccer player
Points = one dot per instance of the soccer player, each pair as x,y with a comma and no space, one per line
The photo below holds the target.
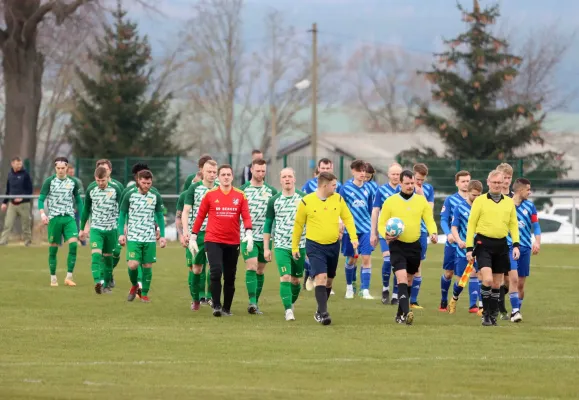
507,171
406,250
198,176
117,250
223,206
193,198
356,194
370,182
142,209
62,193
385,191
461,180
426,190
101,205
257,193
460,215
324,165
528,226
492,218
281,210
321,212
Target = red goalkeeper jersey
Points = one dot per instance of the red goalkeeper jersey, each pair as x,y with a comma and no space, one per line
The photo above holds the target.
224,211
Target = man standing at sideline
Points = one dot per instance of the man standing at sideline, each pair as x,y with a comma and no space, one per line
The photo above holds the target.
246,173
18,183
321,212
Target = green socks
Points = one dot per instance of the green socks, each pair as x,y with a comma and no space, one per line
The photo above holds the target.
147,276
251,284
196,284
140,273
71,259
107,271
133,276
296,292
202,277
285,292
260,279
52,250
116,256
96,268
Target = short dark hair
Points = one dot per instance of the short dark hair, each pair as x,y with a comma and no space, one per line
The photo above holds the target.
475,185
139,167
326,177
521,182
259,161
203,159
421,169
104,161
406,174
256,151
370,169
15,158
324,161
358,165
144,174
460,174
61,159
224,166
100,172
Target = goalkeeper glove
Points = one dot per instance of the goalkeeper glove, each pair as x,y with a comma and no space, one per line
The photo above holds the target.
193,248
248,238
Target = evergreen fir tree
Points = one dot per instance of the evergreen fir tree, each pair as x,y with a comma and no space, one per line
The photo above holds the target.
118,114
474,123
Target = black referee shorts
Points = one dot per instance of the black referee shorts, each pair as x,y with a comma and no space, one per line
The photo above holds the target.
405,256
323,258
493,253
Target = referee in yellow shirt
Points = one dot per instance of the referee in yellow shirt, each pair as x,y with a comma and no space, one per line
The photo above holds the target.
321,211
492,217
406,250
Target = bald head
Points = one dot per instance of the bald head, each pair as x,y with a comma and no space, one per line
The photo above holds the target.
394,172
287,178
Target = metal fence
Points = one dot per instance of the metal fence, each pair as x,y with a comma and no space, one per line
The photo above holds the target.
559,224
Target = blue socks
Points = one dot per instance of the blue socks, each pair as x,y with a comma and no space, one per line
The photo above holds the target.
350,273
416,282
520,303
444,287
456,290
386,271
474,290
514,297
365,275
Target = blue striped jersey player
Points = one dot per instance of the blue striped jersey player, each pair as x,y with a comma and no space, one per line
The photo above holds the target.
358,199
385,191
324,165
461,180
370,182
528,227
461,213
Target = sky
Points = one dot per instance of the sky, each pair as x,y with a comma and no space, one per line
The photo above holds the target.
414,25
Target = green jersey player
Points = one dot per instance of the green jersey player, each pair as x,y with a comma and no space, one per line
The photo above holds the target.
192,201
280,217
197,177
62,193
141,208
101,204
258,194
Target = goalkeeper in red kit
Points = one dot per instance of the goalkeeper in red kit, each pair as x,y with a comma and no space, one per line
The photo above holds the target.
223,206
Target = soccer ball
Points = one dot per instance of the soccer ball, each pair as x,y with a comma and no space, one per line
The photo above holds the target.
394,227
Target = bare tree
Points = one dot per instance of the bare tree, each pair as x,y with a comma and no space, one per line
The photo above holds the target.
385,85
543,51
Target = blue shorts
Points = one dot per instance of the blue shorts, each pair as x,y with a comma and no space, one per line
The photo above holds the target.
323,258
460,264
384,245
523,264
424,245
450,257
364,246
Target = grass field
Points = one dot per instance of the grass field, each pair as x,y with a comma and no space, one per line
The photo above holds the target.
69,343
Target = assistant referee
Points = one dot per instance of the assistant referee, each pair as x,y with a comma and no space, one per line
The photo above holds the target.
321,212
491,219
406,250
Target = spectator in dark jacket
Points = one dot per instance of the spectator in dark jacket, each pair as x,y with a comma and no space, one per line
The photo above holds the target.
19,183
246,174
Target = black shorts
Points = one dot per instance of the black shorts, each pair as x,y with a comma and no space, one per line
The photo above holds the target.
493,253
405,256
323,258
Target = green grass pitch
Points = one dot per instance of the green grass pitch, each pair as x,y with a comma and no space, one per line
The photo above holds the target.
69,343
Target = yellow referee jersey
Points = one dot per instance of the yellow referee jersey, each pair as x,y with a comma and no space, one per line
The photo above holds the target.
493,220
322,218
411,212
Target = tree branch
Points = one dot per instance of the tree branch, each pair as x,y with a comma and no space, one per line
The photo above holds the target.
60,10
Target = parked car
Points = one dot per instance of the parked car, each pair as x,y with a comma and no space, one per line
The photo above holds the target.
556,229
